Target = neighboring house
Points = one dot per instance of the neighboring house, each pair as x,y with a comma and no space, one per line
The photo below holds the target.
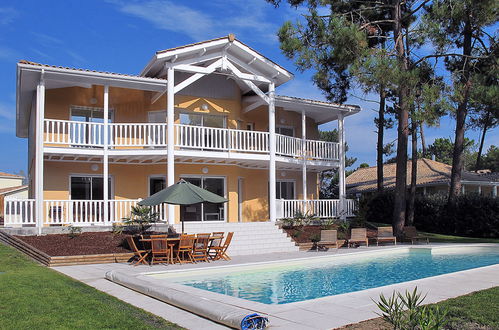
205,112
11,186
432,177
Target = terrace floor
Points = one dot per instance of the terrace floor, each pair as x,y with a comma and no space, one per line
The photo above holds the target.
323,313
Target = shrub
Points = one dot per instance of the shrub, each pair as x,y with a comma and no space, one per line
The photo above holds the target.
472,215
74,231
404,312
140,220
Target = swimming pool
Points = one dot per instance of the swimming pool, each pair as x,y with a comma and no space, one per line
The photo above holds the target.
299,280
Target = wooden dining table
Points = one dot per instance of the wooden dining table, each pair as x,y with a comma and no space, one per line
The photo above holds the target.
170,241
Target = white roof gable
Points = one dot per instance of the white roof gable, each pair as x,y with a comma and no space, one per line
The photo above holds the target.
204,53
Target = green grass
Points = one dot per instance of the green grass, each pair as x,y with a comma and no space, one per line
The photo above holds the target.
36,297
440,238
458,239
478,308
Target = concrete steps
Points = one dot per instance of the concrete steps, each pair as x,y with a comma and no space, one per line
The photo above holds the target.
249,237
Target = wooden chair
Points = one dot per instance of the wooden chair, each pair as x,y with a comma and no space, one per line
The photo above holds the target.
385,234
200,251
358,235
216,241
160,251
328,238
221,251
185,247
140,255
411,233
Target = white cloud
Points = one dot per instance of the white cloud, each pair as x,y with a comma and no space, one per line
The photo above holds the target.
7,118
46,40
7,15
247,19
8,54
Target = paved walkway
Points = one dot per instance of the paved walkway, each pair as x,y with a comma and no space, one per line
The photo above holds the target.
322,313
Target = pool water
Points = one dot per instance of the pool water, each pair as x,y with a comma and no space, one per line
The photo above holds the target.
294,281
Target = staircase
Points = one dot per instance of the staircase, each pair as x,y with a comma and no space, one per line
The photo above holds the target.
249,237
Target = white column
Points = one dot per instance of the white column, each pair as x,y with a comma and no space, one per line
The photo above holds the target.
40,116
494,191
272,147
341,141
170,119
105,161
304,163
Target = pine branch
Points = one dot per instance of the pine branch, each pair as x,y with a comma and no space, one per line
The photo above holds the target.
449,54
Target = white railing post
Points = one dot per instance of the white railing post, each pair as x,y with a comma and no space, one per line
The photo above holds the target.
170,103
40,116
342,187
105,162
272,151
304,157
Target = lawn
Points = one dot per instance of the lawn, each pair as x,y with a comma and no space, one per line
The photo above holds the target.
440,238
36,297
477,310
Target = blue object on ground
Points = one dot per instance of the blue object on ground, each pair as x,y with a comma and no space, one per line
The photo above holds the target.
254,321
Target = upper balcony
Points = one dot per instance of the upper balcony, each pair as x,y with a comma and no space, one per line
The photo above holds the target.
133,136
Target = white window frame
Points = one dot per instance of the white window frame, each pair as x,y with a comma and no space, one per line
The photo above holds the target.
154,176
278,127
288,180
198,176
111,185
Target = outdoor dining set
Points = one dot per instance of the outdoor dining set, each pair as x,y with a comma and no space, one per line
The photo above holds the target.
184,248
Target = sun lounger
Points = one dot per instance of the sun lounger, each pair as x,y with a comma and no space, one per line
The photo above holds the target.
411,233
358,235
385,234
329,238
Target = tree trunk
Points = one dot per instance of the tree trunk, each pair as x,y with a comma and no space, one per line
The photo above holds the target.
414,174
482,140
461,112
423,143
381,129
399,209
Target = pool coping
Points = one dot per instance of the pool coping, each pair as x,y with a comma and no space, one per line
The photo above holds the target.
346,308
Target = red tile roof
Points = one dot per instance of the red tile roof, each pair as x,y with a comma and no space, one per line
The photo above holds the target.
4,191
3,174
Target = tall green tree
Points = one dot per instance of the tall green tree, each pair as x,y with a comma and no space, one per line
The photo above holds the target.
442,149
337,46
458,29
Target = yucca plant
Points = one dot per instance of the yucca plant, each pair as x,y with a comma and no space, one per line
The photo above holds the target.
142,217
405,312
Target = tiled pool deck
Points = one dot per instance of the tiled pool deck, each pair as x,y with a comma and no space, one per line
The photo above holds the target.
323,313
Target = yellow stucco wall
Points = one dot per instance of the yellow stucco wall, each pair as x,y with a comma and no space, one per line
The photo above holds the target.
132,182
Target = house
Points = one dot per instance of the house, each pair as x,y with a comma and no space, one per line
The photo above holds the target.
205,112
11,186
432,178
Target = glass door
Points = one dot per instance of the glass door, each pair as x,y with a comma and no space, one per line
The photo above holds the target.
86,135
87,189
205,211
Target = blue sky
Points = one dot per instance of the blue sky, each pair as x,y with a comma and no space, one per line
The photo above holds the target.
121,36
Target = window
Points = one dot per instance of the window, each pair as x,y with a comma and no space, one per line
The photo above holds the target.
84,135
285,190
285,130
156,184
205,211
201,119
88,188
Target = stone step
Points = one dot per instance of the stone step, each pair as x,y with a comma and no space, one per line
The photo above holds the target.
249,237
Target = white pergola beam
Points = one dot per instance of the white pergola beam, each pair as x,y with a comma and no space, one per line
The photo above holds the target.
209,69
253,106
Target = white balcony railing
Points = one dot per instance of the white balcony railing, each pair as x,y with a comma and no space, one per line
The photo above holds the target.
72,212
321,208
134,135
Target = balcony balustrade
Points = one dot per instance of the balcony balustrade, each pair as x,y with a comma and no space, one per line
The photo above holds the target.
64,133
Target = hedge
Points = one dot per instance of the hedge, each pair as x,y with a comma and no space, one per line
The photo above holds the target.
472,215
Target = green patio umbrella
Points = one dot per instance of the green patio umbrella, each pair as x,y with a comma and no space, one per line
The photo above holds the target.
182,193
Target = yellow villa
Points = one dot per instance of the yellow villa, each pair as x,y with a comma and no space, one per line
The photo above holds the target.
205,112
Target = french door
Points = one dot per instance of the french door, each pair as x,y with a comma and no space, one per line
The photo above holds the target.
83,135
88,194
205,211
